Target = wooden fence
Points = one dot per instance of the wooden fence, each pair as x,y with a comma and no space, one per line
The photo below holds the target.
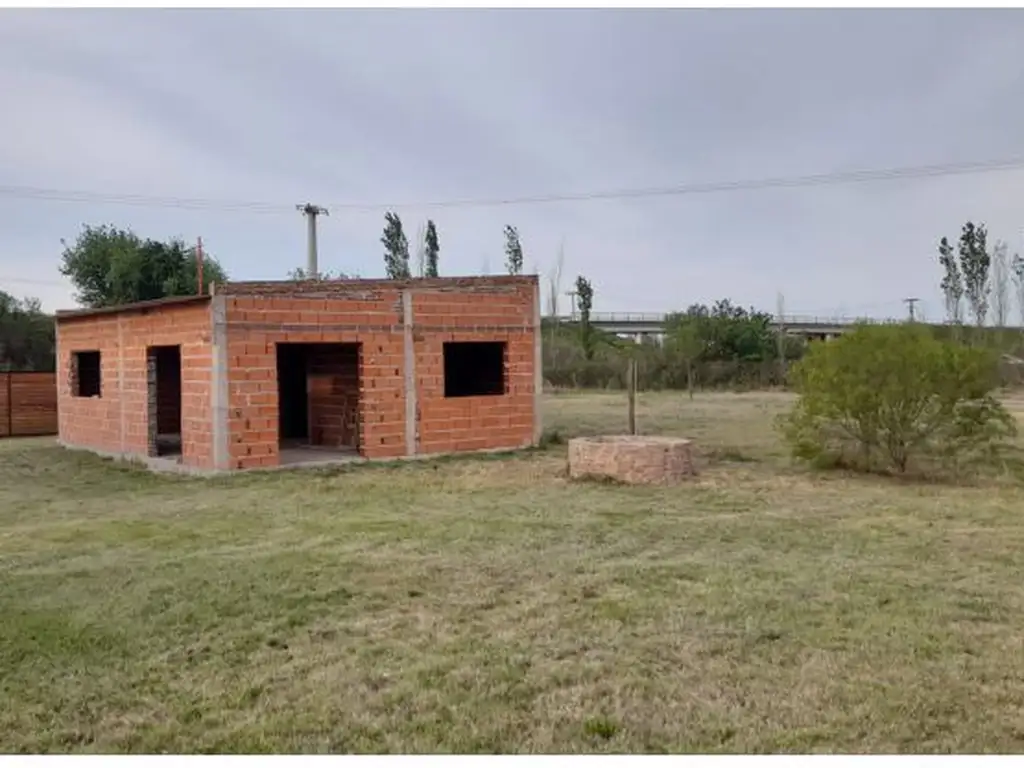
28,404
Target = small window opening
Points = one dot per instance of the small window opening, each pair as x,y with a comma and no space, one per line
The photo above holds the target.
86,374
474,368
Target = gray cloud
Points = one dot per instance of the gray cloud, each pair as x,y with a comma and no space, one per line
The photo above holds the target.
361,106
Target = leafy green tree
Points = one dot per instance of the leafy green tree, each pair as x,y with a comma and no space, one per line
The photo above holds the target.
974,267
513,251
952,283
396,248
433,250
729,332
684,341
110,266
585,302
889,393
26,335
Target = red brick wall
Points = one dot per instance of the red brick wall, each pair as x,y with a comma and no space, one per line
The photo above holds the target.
261,315
32,405
117,421
257,323
258,316
484,422
334,395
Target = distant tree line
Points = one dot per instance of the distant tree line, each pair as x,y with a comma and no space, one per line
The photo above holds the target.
706,346
983,281
26,335
716,345
397,261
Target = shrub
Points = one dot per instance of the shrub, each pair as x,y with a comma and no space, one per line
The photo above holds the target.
882,395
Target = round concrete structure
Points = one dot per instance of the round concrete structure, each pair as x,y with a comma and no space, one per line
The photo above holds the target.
632,459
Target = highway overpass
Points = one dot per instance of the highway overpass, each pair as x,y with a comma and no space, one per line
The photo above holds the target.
640,324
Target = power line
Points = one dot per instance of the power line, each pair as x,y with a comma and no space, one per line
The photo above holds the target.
701,188
28,281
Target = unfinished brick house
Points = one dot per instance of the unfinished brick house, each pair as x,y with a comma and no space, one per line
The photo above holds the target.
262,374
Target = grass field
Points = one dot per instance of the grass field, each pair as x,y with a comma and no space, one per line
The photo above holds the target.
490,605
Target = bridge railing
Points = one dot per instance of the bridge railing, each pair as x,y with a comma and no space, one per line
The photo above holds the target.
627,317
831,320
658,318
790,321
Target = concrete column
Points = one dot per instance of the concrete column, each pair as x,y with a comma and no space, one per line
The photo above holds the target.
538,368
411,425
120,384
60,372
151,402
220,427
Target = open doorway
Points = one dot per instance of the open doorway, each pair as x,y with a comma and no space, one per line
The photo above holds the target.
164,379
318,400
292,394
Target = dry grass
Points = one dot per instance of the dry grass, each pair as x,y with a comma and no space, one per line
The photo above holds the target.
489,605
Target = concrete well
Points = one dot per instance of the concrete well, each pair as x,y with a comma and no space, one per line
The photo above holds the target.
632,459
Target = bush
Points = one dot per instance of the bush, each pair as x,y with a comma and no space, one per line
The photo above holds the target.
882,395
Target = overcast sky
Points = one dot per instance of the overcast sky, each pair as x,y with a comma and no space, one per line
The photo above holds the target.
416,106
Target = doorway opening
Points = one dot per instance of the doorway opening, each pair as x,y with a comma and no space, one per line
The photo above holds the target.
164,398
318,401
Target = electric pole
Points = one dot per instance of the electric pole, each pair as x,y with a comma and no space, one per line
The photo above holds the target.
311,212
910,306
572,304
199,265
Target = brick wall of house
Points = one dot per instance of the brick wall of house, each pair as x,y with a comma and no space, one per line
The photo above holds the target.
334,395
372,313
5,405
229,351
117,421
501,313
260,316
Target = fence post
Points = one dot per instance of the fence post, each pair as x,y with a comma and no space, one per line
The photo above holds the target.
631,392
10,406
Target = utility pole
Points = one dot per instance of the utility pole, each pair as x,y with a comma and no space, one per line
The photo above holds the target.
199,265
311,212
910,306
572,305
